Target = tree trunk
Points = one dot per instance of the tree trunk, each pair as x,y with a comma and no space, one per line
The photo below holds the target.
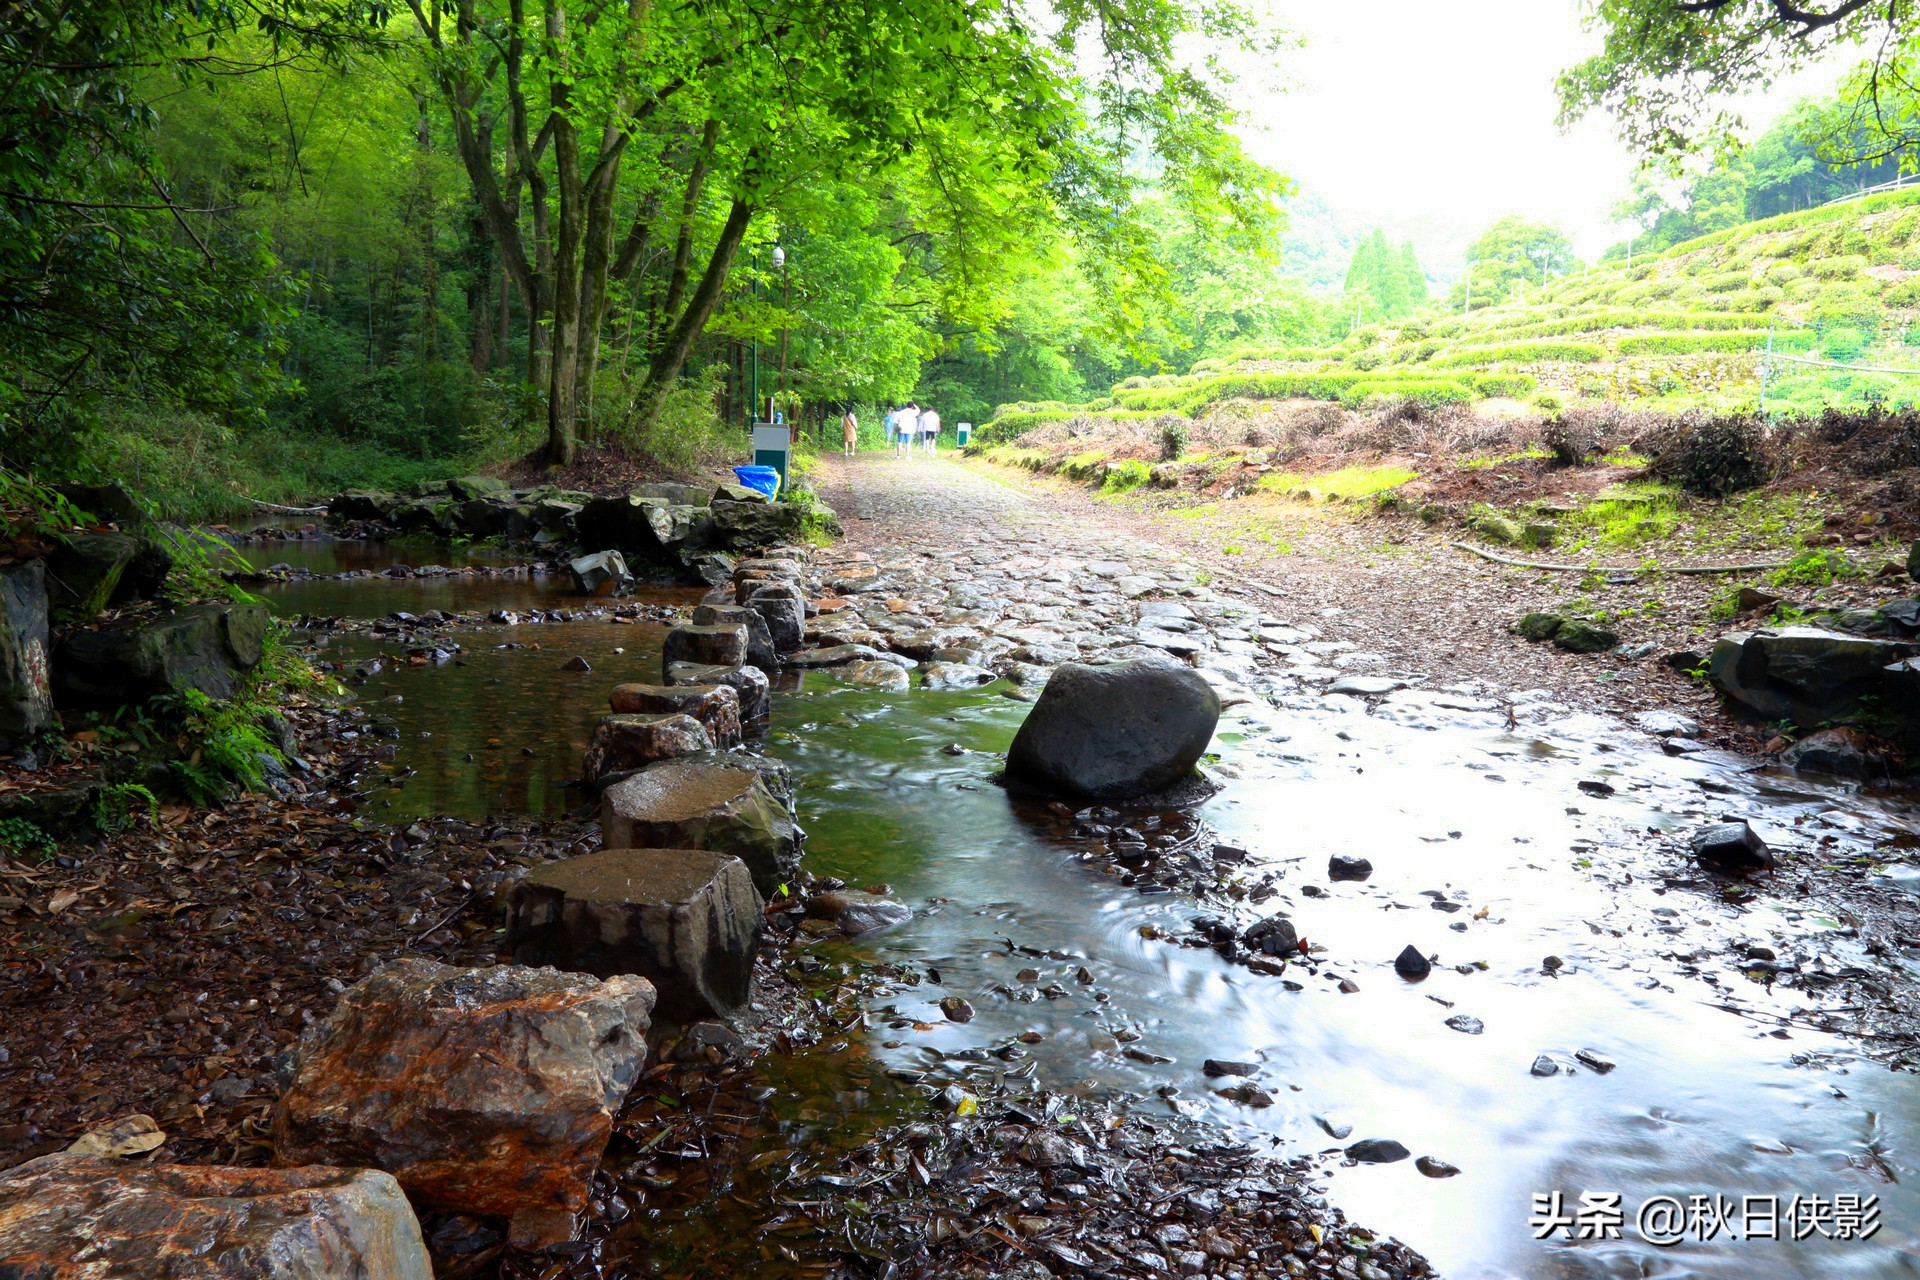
672,356
479,295
689,208
563,384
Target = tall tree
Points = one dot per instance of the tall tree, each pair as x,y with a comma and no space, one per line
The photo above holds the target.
572,121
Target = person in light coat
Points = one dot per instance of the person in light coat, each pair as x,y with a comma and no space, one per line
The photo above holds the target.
930,429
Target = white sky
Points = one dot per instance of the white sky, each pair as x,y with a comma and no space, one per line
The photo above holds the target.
1434,119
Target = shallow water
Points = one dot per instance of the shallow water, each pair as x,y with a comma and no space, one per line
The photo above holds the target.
1441,796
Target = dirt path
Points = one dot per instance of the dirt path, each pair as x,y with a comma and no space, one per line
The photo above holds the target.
1414,608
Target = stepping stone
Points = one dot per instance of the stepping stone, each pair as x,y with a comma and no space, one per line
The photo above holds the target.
749,684
687,920
954,675
205,1221
622,743
760,651
1365,686
723,646
719,808
487,1091
715,706
782,609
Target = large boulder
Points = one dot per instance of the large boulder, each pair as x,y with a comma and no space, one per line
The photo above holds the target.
26,694
1114,732
715,706
719,646
488,1091
623,743
109,502
487,517
753,526
469,488
209,647
760,651
87,572
71,1217
749,683
673,495
1811,677
645,527
364,504
687,920
697,805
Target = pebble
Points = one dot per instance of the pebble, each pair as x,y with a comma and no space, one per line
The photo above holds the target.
1545,1066
956,1009
1467,1023
1433,1168
1377,1151
1346,867
1411,965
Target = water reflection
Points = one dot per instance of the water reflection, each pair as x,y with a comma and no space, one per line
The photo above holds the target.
1452,809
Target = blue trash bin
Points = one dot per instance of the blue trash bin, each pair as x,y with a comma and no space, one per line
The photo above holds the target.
760,479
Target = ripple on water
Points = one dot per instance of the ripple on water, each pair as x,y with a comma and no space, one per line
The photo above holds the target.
1700,1100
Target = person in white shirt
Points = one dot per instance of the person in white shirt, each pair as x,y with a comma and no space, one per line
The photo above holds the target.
909,424
930,429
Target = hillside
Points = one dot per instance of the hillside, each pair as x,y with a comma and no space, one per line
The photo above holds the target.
1686,329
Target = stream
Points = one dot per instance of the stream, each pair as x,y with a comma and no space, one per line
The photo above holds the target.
1565,919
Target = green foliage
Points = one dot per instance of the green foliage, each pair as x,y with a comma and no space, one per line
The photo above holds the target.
23,835
1382,281
1815,567
1677,344
1515,352
230,747
1501,385
117,807
1346,484
1125,476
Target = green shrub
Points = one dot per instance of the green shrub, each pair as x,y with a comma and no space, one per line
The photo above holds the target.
1426,392
1125,476
1502,385
1843,344
1548,402
1579,352
1174,437
1840,268
1677,344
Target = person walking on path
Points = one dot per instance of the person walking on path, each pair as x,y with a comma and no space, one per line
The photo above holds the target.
930,429
849,432
909,423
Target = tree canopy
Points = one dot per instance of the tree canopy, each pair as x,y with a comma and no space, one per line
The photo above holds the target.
1510,254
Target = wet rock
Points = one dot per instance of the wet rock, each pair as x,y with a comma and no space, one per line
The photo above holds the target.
1377,1151
954,1009
749,684
706,646
686,920
698,805
1411,965
782,609
760,650
1273,936
1466,1023
26,692
886,676
482,1090
208,647
715,706
1593,1061
600,573
1578,636
953,675
1221,1067
1433,1168
1114,732
1667,724
1731,846
577,664
1544,1066
858,913
837,655
1843,752
128,1136
1365,686
1346,867
83,1216
622,743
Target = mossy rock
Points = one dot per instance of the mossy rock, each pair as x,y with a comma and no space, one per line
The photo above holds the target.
1500,528
1576,636
1539,626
